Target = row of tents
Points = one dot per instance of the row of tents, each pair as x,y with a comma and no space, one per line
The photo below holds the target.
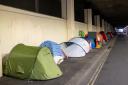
40,63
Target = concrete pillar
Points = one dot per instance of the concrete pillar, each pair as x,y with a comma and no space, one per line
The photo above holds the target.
86,16
70,19
103,25
97,22
64,9
37,5
109,27
106,26
88,19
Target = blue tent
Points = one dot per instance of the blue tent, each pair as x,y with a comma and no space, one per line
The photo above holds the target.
92,41
55,50
109,37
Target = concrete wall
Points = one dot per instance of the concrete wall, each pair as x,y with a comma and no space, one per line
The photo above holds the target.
1,66
94,28
18,26
80,27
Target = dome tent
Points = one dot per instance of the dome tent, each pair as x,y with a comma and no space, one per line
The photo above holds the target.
97,38
104,36
111,35
82,42
76,47
81,34
55,50
28,62
92,41
108,36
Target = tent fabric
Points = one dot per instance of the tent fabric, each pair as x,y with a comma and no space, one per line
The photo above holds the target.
81,34
72,49
76,47
82,42
99,40
104,36
92,34
99,37
110,34
29,62
92,42
55,50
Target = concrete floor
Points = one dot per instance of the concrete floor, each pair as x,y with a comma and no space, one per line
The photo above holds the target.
115,70
70,68
76,71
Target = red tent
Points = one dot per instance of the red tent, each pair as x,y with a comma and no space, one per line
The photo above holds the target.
110,34
104,36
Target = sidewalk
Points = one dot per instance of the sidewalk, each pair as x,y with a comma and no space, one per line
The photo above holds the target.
76,71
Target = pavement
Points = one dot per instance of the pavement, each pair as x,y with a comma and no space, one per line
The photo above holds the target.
115,69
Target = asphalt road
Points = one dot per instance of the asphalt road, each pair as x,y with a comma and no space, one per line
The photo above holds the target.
115,69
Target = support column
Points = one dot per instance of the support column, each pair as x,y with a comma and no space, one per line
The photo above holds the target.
103,25
37,5
64,9
88,19
97,22
70,19
109,27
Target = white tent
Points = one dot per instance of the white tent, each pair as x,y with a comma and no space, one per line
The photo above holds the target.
82,42
76,47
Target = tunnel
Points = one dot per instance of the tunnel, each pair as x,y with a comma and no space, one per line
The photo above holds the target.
86,41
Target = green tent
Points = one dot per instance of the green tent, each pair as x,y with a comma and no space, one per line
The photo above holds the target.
81,34
28,62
